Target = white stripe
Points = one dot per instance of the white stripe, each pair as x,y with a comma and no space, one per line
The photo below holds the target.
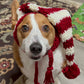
69,51
66,35
70,62
19,13
33,7
57,16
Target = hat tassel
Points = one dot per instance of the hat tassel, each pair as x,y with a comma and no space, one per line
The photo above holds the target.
72,71
48,75
36,73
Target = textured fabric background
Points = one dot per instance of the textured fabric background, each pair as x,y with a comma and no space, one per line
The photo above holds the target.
9,71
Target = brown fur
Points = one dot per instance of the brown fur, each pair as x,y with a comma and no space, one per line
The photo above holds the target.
21,35
14,7
16,54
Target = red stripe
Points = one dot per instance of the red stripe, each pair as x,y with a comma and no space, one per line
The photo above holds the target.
63,25
25,8
70,57
46,11
69,43
56,42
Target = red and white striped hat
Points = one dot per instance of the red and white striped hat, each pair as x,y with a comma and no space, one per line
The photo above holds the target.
61,20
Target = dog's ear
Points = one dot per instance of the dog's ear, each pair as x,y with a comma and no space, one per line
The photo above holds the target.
15,5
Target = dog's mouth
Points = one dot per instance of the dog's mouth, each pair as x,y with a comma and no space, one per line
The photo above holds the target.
35,58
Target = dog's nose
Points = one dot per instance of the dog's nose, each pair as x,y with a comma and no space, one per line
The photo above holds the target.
36,48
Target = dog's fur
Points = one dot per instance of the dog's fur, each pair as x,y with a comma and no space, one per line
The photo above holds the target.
22,53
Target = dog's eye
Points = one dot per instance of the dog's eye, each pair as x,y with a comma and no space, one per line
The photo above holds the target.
25,28
45,28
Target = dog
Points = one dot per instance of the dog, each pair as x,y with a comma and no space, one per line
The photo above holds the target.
36,36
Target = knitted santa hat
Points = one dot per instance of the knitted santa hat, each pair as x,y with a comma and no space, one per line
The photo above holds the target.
61,20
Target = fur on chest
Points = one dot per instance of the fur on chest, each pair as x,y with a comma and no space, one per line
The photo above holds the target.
29,65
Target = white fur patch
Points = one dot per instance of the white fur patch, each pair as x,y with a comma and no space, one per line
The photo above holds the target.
59,56
29,65
57,16
66,35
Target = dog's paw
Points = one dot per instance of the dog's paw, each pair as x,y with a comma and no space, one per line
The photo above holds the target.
57,81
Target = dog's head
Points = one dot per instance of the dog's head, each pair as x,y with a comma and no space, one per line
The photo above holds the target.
35,33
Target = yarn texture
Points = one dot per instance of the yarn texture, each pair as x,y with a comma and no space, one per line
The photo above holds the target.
61,20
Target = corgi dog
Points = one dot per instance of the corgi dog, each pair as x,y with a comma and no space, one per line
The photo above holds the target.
36,35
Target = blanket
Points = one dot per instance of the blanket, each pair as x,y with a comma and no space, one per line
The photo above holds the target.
78,24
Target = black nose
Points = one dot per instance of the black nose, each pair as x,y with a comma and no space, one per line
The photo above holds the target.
36,48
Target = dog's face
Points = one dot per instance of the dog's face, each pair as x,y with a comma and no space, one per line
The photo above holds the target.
35,35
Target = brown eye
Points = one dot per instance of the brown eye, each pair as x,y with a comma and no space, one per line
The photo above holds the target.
25,28
45,28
